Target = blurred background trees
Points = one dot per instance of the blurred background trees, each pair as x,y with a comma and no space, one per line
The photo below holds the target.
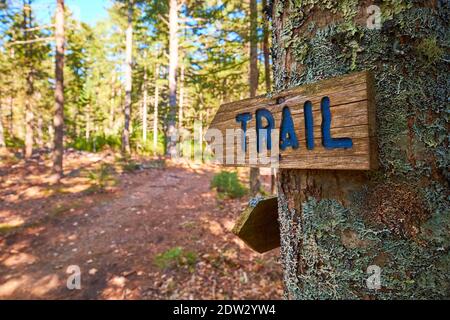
128,82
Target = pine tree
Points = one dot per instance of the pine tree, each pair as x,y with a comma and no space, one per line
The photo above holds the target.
27,66
128,79
173,68
58,151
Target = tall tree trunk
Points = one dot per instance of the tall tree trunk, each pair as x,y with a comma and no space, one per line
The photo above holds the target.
58,120
11,116
88,122
341,230
181,99
51,136
128,81
112,105
29,116
173,67
144,105
155,110
255,184
40,132
266,51
2,135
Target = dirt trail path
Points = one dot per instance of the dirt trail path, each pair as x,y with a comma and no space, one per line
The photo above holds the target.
116,237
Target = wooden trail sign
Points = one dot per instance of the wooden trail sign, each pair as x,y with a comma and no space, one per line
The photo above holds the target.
326,125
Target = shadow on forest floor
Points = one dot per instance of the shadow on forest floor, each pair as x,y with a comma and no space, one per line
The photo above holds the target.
137,231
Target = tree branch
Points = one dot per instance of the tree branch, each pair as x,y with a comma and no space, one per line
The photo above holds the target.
163,19
14,43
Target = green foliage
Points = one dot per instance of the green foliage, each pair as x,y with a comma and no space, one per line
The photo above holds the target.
146,147
103,177
14,142
212,53
129,165
96,144
176,257
227,183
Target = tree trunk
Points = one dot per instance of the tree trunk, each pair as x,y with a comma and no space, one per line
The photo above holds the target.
29,92
51,136
2,135
128,81
29,117
341,230
40,132
58,120
173,66
266,51
181,99
155,111
255,184
144,105
88,122
11,116
112,105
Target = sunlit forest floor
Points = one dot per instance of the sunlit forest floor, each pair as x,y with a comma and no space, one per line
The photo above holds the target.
142,229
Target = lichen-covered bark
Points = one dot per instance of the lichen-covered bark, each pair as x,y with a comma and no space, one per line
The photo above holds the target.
335,224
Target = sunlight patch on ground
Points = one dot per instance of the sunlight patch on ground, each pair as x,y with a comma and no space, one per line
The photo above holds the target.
11,285
25,283
228,224
9,217
34,192
34,230
19,259
9,221
240,243
44,285
115,289
18,246
76,186
213,226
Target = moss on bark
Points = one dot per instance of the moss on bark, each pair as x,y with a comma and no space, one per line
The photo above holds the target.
334,225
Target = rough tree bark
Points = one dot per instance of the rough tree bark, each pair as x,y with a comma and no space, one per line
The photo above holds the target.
266,52
128,80
337,225
173,66
58,120
255,184
266,48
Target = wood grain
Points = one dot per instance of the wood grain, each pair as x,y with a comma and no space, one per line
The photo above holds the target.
353,116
